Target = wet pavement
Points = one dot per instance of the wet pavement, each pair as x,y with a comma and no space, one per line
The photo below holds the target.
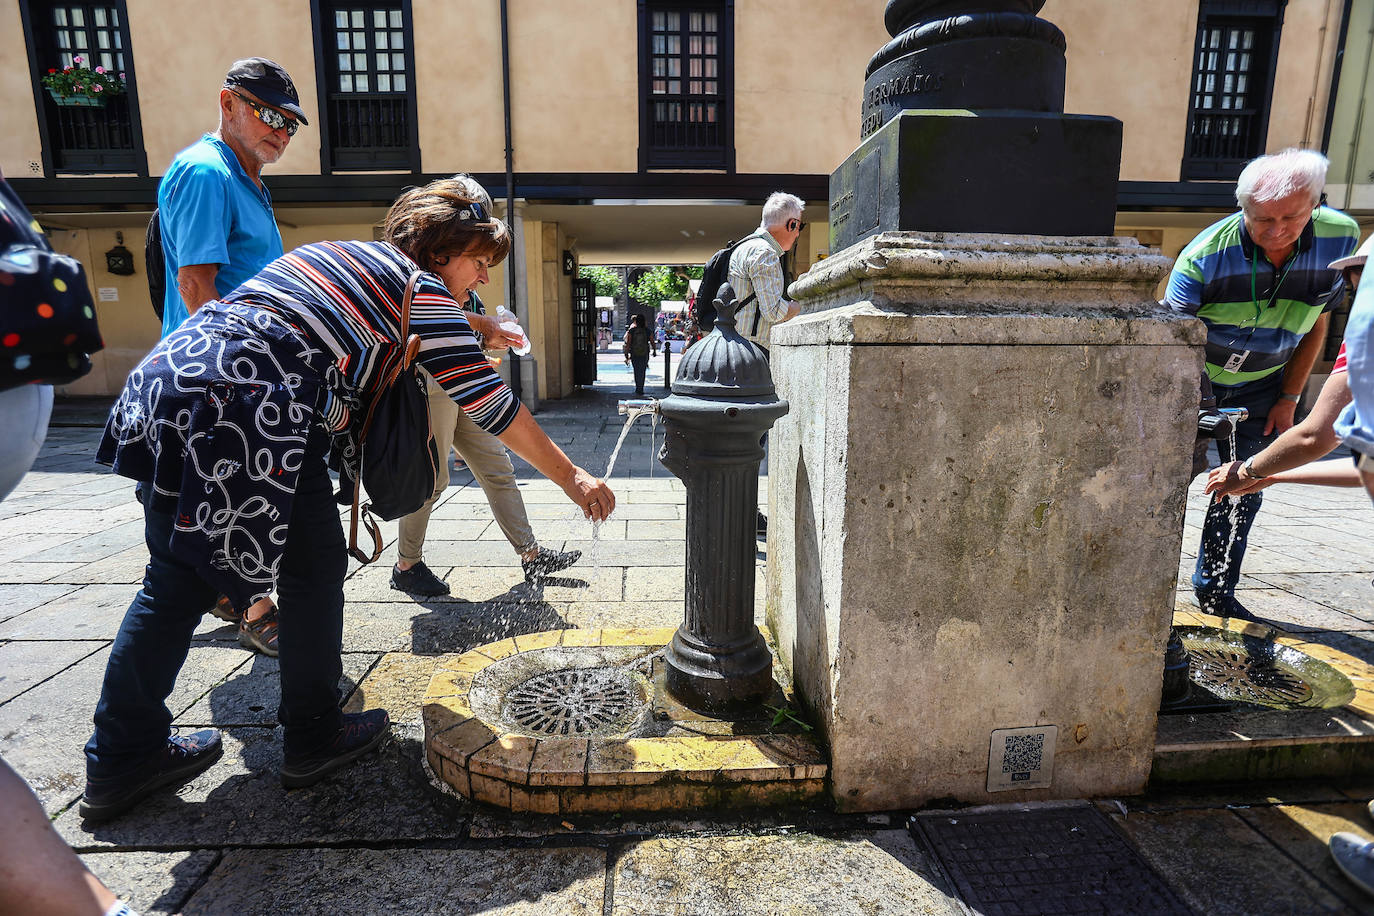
379,837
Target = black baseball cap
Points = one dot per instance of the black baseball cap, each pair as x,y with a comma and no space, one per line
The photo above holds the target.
268,81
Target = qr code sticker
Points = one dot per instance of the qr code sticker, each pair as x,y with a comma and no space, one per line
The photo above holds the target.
1024,754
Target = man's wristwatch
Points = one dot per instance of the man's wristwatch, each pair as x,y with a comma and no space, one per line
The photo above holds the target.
1295,398
1248,468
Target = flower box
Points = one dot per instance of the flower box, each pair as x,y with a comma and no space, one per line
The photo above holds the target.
77,101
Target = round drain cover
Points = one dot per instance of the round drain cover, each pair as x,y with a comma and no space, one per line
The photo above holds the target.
575,702
1245,669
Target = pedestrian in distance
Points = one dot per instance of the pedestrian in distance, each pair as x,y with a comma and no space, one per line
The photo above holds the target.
240,498
636,347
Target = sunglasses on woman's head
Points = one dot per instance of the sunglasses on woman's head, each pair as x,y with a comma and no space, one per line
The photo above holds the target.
271,117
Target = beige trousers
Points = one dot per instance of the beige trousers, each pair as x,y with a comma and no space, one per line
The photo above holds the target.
490,464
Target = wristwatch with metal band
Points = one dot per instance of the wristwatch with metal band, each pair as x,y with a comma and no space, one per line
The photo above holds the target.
1249,469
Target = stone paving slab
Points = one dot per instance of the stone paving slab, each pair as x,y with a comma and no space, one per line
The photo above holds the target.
25,664
16,599
152,882
43,730
516,882
1302,831
383,797
251,694
870,874
1221,865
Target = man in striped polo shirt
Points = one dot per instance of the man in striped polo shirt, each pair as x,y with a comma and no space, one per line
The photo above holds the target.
1260,282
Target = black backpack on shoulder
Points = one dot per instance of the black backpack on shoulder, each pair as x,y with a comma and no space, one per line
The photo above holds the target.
713,277
155,263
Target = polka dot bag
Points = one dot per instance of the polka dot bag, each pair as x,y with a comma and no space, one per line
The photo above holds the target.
48,329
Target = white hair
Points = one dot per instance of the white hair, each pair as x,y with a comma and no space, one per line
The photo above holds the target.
1278,175
780,207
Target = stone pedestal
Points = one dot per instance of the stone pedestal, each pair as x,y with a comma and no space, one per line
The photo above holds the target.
976,511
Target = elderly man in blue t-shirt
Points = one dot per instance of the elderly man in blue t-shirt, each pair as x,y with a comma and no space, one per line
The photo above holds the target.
216,216
218,229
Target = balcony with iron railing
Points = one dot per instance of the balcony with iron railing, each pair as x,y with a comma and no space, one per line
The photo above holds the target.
370,130
94,138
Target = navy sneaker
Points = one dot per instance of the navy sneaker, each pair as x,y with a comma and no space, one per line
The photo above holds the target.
361,732
182,759
549,561
418,580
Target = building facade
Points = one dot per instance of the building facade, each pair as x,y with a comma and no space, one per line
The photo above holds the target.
624,132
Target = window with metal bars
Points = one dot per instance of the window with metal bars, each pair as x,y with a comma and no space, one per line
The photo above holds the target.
686,68
1233,76
368,116
98,136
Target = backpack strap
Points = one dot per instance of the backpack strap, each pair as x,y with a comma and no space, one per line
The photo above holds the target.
410,349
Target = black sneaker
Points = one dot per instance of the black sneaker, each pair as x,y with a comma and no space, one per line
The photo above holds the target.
182,759
549,561
418,580
761,526
360,733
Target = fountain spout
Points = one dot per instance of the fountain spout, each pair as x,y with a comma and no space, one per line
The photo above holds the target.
634,408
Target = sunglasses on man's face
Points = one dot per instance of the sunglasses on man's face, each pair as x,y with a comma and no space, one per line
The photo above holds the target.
271,117
796,225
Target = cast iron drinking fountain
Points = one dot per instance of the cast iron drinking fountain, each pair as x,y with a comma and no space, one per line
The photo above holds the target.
722,403
578,721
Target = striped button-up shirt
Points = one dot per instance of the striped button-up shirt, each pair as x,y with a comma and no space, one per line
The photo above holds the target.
756,267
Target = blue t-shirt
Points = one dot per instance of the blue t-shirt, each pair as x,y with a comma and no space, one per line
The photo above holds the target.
211,212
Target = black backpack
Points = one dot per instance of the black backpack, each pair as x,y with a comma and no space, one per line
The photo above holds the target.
155,262
713,277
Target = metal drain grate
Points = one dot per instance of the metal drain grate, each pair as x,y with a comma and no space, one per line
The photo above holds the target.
573,701
1042,861
1234,673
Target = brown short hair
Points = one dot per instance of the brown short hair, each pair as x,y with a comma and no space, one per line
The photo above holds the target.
438,220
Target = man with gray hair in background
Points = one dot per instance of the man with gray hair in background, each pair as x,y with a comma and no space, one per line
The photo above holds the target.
756,269
756,277
1260,280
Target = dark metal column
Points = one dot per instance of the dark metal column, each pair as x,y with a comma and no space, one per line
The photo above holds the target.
723,402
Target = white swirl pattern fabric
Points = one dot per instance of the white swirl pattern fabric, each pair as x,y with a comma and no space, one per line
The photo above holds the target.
216,418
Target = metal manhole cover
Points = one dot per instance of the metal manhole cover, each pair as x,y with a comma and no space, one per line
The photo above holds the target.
575,702
1246,669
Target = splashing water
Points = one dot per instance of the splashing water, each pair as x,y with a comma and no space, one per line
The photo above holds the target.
632,414
1232,516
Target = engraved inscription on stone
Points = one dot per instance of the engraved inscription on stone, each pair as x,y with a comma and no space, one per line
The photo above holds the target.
840,207
867,192
879,94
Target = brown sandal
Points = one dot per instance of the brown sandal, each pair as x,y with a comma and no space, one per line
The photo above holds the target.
260,634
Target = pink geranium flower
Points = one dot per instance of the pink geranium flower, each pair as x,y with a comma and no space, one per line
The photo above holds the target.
97,88
77,59
99,69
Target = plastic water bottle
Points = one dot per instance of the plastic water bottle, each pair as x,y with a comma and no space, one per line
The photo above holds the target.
512,327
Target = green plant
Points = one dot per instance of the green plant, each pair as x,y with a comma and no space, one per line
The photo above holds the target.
605,281
783,714
663,282
80,80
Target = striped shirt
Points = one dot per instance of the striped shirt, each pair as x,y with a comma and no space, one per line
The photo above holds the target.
756,267
345,297
1256,313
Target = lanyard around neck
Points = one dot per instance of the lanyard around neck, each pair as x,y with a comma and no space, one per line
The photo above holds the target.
1254,290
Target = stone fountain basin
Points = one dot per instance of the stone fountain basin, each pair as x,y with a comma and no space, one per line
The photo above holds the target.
650,755
1328,735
